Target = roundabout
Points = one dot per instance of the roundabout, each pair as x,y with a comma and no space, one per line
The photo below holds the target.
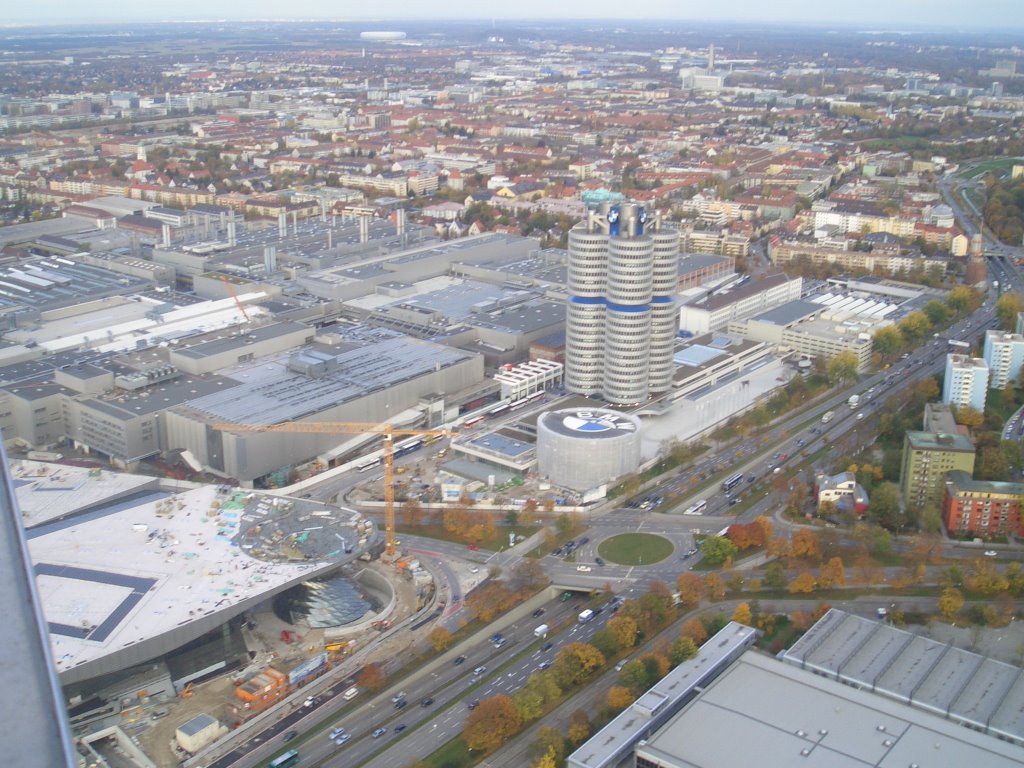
635,549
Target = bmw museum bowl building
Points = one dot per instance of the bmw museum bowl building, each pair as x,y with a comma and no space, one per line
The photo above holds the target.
581,449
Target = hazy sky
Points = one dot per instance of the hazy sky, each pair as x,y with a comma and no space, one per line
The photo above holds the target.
875,14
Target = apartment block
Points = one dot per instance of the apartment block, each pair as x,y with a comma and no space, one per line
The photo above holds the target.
927,458
966,382
1004,355
981,507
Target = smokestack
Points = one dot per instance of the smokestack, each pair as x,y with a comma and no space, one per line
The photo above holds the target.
282,224
232,241
330,239
364,229
295,221
323,210
270,259
400,221
711,58
166,229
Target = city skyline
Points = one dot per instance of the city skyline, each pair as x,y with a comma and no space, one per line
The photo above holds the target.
871,15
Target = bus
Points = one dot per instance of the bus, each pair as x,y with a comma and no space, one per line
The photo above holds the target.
291,757
472,422
407,446
732,482
364,464
498,410
697,508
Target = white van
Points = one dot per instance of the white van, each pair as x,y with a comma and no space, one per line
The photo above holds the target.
350,694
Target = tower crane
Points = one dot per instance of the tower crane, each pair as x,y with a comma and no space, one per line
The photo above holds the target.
231,290
389,433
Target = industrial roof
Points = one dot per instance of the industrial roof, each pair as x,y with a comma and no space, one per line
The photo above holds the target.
271,393
788,313
979,692
766,713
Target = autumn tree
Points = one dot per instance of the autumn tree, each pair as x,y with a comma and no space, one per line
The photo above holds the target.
695,630
619,698
683,649
746,535
984,578
412,512
742,614
842,369
950,602
488,600
775,576
529,703
968,416
550,741
579,727
440,639
690,588
767,526
371,677
832,574
1007,307
714,587
888,342
624,629
805,543
915,327
491,724
803,583
575,663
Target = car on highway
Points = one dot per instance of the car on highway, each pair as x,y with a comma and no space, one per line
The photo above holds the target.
400,727
290,735
401,704
538,612
343,739
336,733
544,665
479,670
458,660
426,702
990,553
398,696
473,704
599,561
547,646
583,568
379,732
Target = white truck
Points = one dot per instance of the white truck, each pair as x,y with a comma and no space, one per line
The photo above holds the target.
827,417
854,401
541,631
585,616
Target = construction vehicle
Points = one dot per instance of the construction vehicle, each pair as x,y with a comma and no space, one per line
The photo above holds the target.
386,430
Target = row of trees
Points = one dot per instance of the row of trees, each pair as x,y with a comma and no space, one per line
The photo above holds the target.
891,341
1004,210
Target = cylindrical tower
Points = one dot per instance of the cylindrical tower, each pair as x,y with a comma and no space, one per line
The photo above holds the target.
620,317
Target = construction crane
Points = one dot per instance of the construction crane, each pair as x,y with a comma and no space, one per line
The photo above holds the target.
231,290
344,427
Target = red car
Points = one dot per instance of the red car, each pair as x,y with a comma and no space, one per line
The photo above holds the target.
472,547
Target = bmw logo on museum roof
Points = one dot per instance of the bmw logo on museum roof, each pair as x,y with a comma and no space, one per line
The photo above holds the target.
595,422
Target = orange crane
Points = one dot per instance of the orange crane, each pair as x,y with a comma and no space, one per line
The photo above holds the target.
231,290
338,427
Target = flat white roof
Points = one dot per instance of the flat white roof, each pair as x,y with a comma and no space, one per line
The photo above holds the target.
110,581
48,491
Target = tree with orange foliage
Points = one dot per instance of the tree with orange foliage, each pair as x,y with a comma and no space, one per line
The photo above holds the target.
832,574
714,587
742,614
690,588
579,727
491,724
371,677
746,535
806,544
778,546
695,630
440,639
619,698
766,526
488,600
802,583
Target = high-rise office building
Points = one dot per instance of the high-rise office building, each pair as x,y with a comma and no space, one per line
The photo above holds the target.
621,314
966,382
